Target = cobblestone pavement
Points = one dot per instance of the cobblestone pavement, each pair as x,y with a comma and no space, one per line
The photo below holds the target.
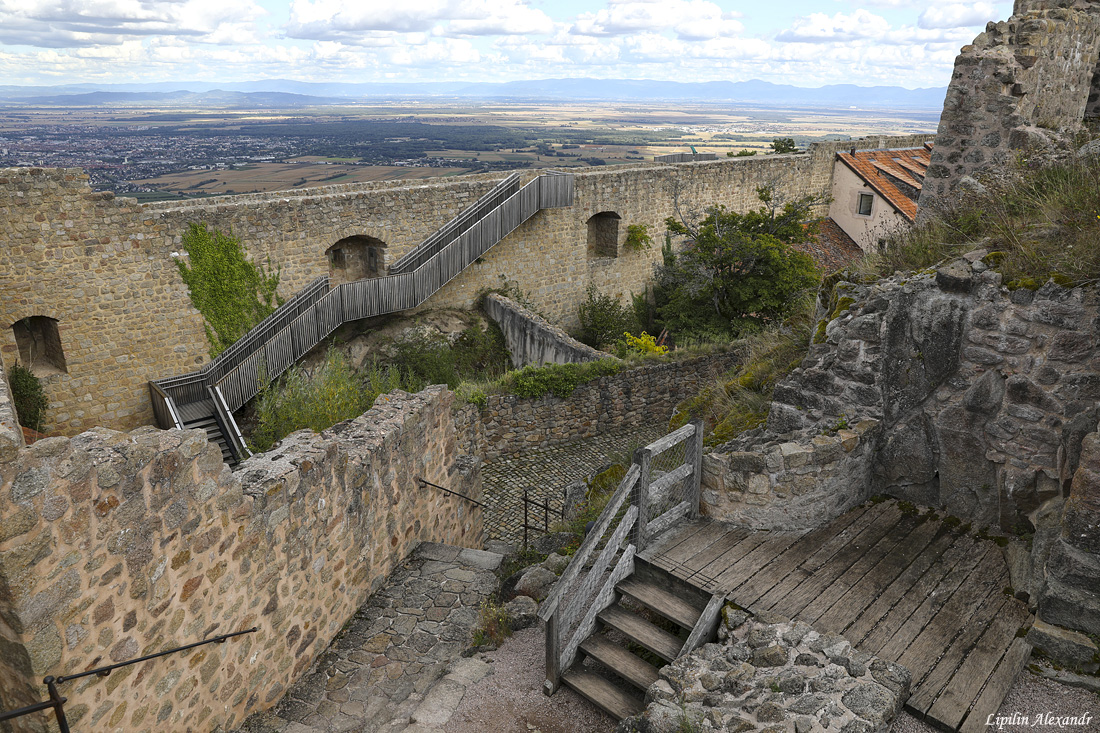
545,474
376,673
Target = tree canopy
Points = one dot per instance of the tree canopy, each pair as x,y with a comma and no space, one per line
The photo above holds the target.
736,271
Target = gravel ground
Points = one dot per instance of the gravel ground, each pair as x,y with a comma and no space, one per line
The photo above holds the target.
510,700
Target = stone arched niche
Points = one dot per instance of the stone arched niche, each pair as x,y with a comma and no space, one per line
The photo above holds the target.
357,257
603,234
39,344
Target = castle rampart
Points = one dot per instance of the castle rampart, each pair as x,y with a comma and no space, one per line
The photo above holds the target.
103,267
115,545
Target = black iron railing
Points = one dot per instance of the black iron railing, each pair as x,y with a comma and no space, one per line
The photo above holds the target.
445,490
57,702
547,512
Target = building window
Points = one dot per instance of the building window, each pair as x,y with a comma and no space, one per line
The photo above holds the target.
865,201
39,345
603,234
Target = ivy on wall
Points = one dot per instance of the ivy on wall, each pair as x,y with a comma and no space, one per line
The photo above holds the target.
232,293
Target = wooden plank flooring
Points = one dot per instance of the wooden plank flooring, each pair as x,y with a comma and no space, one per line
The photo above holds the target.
905,587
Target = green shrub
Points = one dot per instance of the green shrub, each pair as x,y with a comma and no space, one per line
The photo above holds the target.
603,319
231,293
317,400
477,353
30,399
493,625
560,379
637,237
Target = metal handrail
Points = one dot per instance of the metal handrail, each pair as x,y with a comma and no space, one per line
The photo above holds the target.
58,703
450,491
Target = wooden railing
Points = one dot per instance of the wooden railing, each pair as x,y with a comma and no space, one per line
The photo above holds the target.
164,408
302,322
624,519
230,431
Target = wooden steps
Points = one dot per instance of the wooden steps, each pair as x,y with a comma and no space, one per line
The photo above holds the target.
617,683
195,419
605,695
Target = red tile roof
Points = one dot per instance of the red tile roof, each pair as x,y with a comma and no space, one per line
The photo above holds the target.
833,249
896,175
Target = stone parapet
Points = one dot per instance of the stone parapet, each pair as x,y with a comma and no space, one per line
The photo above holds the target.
115,545
533,340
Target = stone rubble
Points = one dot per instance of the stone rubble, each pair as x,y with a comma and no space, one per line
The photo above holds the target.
773,675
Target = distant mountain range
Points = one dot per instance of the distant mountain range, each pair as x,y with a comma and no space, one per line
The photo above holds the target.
282,93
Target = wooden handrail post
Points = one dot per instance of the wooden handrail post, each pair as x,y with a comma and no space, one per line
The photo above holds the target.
693,456
553,654
642,459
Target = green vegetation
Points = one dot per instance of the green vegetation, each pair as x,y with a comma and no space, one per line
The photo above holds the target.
477,353
493,625
232,293
784,145
637,237
740,400
738,273
1038,225
603,319
319,399
741,153
29,396
559,379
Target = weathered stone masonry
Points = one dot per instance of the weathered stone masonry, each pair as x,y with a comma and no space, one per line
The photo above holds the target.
116,544
947,390
1015,87
103,266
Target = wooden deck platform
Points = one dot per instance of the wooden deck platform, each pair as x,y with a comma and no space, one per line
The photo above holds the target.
905,587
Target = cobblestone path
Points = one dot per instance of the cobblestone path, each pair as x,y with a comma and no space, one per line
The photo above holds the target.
545,474
376,672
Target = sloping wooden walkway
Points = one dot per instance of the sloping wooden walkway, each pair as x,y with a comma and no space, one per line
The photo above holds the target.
905,587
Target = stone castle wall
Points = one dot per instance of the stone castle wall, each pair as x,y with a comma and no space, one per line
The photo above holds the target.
642,397
531,339
115,545
1012,88
103,267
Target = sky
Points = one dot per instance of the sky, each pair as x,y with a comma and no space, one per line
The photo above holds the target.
806,43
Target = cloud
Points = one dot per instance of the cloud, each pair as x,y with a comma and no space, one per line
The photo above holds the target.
957,15
338,20
820,28
688,19
77,23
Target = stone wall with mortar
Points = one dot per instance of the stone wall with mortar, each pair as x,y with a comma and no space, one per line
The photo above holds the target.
115,545
531,339
1017,82
641,397
104,266
979,401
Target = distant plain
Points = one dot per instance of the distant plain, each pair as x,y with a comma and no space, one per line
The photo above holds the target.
168,152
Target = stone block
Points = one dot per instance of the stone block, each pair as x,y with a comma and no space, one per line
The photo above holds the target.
1068,648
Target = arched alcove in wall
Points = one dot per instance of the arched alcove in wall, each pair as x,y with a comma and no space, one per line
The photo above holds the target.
603,234
357,257
39,344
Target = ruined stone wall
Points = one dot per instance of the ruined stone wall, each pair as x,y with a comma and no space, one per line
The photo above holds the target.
1019,80
531,339
642,397
104,266
972,399
115,545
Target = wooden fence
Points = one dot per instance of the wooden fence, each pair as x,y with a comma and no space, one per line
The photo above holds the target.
684,157
301,323
571,610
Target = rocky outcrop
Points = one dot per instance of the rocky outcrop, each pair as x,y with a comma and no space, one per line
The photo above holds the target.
777,676
974,399
1018,88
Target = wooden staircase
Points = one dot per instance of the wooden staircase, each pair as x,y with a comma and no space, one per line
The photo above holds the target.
608,631
653,615
201,416
241,371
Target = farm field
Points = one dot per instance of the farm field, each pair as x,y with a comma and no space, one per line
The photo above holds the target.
171,152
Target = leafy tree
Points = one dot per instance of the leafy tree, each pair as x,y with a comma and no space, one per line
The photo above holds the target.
29,396
784,145
230,292
737,271
603,319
